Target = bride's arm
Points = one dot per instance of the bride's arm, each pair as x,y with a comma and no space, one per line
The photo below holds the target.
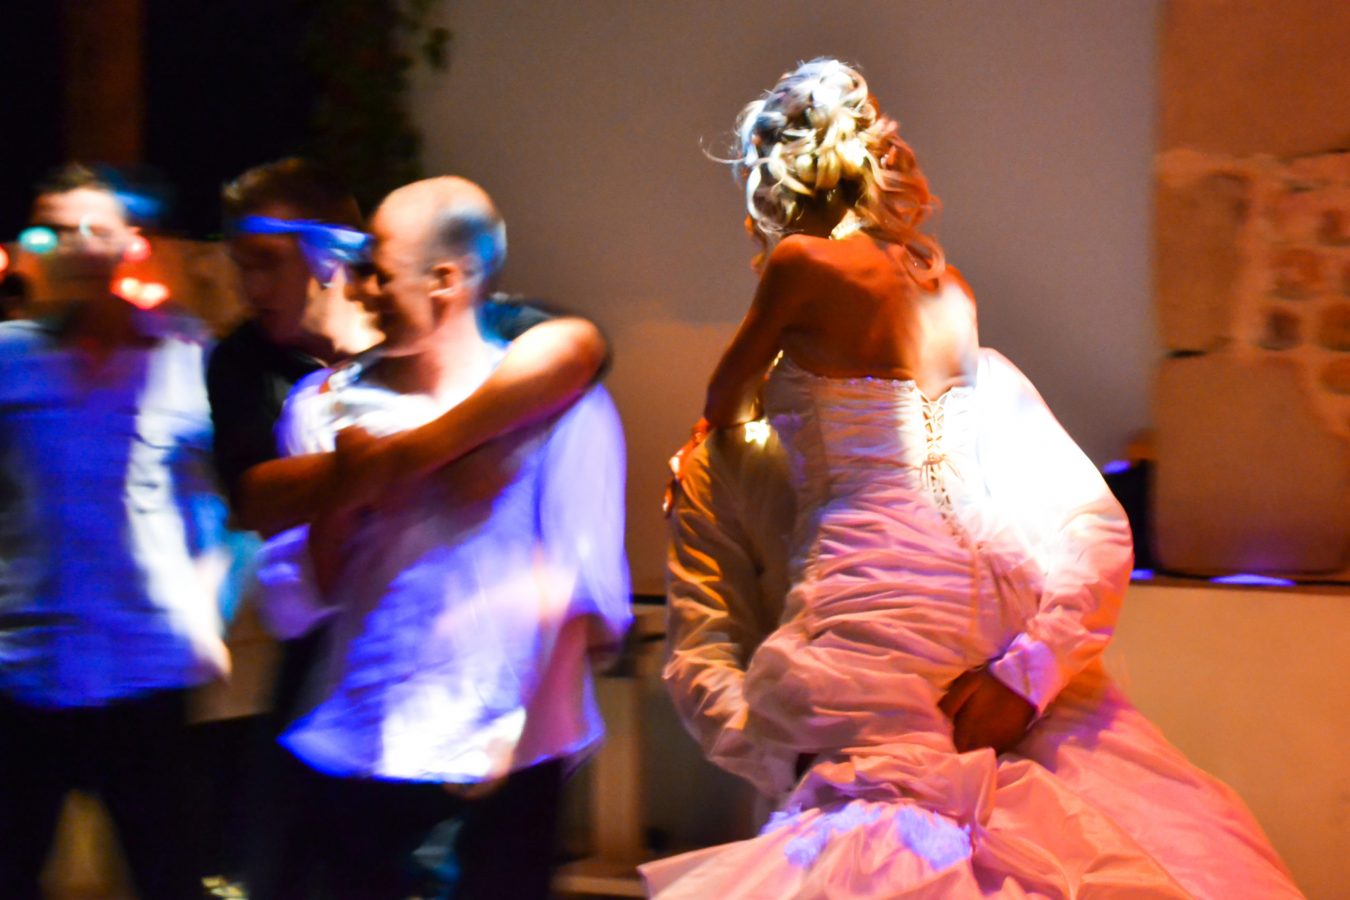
964,326
735,381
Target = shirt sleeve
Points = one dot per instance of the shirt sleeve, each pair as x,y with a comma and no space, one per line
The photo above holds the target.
289,601
196,489
581,510
713,619
1078,532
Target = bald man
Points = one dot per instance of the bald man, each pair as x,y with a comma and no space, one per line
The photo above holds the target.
455,690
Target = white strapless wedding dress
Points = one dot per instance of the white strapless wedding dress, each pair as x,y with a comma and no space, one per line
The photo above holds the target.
907,572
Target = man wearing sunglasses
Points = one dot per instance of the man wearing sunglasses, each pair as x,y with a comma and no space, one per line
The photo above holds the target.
109,522
293,327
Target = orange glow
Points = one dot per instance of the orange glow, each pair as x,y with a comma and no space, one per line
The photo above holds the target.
4,261
142,295
127,288
153,293
138,250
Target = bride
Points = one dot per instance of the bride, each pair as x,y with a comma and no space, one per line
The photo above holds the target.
936,673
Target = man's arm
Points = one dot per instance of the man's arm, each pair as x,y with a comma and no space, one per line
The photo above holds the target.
546,369
714,617
283,493
1079,533
200,507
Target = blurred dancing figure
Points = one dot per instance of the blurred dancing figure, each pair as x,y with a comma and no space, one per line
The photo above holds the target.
108,547
932,701
294,234
455,689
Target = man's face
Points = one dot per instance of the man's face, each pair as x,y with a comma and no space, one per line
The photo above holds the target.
398,292
275,278
92,234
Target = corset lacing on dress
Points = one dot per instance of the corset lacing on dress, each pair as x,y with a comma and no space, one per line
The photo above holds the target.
932,474
931,469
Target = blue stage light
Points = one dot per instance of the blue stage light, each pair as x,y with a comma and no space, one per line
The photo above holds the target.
1250,579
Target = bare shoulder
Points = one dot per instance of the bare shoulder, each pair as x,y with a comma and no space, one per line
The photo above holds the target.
801,261
952,277
797,250
796,270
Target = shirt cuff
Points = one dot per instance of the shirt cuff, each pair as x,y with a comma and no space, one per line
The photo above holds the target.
1031,670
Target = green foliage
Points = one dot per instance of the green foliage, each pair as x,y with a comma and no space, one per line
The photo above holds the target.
360,54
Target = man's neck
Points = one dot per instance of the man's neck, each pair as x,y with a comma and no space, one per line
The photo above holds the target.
454,362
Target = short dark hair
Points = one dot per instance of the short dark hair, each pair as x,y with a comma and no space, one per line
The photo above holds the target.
302,184
141,197
73,176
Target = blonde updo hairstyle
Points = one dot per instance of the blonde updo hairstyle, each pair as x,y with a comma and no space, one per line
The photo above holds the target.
817,133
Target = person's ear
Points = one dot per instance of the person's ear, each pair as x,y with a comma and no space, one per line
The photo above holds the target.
452,278
447,278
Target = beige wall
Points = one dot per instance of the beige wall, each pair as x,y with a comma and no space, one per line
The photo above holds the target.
1243,77
1250,685
588,119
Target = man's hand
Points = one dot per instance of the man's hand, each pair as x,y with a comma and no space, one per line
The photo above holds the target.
985,712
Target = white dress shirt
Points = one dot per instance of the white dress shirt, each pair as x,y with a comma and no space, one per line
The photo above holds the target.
466,607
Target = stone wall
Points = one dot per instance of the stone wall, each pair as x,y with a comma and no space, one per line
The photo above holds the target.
1252,403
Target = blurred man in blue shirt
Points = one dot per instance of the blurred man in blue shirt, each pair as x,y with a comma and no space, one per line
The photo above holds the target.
109,533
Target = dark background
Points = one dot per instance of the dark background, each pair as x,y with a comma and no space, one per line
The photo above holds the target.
225,89
30,105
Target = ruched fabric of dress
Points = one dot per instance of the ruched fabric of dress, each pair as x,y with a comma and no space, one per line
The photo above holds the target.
933,536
